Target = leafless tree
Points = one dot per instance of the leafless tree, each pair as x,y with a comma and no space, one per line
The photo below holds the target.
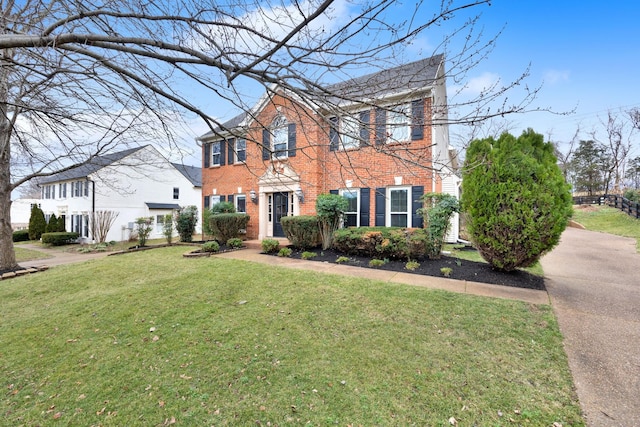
78,79
618,144
101,222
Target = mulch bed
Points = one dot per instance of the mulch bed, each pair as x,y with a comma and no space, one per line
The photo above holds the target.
460,269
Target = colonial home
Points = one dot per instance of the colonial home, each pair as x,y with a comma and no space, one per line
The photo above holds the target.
381,141
134,183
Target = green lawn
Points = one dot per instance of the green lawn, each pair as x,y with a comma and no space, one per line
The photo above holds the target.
24,254
151,338
608,220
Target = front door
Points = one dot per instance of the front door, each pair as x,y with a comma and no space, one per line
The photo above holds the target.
280,208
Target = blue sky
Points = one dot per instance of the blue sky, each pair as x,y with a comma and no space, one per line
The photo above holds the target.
584,53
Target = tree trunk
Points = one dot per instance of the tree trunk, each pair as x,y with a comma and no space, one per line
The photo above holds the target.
7,254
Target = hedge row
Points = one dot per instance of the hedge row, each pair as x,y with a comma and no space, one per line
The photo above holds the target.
59,238
21,236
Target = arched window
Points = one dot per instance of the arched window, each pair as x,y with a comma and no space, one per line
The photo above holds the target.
279,136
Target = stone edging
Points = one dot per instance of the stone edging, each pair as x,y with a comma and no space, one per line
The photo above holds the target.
17,273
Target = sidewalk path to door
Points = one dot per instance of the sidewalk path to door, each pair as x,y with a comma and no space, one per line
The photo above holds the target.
593,280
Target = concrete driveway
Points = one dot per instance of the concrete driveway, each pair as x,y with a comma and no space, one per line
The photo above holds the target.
593,280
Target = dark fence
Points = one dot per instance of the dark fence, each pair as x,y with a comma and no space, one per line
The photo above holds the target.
625,205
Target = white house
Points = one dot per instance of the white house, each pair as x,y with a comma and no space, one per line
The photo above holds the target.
135,183
21,212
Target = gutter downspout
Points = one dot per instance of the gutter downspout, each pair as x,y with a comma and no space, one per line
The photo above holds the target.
93,207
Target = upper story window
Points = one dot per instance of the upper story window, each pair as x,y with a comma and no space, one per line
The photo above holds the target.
176,193
62,190
279,140
216,153
240,150
350,131
280,137
400,123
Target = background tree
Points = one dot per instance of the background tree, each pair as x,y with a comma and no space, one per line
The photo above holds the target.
329,210
37,223
78,79
632,174
515,197
589,167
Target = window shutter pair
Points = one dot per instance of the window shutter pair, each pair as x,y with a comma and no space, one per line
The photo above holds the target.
291,142
416,193
333,134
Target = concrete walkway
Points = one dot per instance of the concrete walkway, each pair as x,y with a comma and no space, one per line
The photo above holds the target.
593,280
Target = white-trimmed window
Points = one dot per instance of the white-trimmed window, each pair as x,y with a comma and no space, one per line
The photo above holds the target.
399,123
350,132
399,212
216,154
241,203
240,150
214,200
352,214
280,137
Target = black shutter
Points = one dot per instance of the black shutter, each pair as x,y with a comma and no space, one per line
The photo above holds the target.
223,146
207,155
222,199
417,119
333,134
230,150
334,192
380,206
266,144
364,206
230,198
416,203
206,202
381,126
291,143
365,120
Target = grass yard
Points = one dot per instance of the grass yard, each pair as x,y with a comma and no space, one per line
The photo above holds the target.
608,220
152,338
24,254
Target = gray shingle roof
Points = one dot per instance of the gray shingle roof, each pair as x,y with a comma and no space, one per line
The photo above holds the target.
90,167
412,76
192,173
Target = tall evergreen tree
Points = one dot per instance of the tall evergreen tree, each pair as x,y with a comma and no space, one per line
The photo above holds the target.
37,223
516,199
52,225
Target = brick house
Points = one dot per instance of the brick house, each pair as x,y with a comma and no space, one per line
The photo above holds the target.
382,144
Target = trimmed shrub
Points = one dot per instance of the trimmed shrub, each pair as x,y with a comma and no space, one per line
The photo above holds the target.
52,225
227,226
308,255
516,199
21,236
329,209
437,212
59,238
234,243
222,208
211,246
285,252
61,226
302,231
37,223
270,246
143,229
389,242
186,220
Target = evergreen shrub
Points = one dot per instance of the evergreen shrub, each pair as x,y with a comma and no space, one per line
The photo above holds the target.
59,238
516,199
302,231
227,226
21,236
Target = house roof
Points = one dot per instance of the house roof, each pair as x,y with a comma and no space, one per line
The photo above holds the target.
151,205
404,78
192,173
90,167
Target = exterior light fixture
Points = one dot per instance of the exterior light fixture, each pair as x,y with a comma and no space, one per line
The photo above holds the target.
253,196
300,195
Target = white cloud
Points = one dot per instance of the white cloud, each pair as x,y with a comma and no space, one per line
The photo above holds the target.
477,85
556,76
